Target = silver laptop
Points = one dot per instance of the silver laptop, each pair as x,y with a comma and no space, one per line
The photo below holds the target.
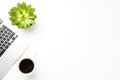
12,46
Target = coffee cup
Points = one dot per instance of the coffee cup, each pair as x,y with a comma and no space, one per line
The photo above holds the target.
26,66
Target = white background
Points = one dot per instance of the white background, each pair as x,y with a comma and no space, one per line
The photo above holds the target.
71,40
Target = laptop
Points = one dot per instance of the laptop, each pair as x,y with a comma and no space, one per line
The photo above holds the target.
12,47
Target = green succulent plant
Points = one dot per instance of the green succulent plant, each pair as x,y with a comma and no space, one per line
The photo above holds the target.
23,15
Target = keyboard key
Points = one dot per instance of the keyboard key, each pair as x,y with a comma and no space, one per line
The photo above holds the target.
3,45
8,39
2,52
6,47
1,48
9,43
6,42
2,41
6,36
11,35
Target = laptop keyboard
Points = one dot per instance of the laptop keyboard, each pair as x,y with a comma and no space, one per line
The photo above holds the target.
7,37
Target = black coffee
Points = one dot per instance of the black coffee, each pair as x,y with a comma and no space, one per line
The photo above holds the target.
26,66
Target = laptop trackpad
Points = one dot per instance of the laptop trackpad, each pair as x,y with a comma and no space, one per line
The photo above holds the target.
20,45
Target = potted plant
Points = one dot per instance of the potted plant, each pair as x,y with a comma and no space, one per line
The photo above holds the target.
22,15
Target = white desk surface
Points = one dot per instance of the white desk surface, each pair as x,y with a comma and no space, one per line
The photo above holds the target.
71,40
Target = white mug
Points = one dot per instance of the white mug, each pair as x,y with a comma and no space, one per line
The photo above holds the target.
26,66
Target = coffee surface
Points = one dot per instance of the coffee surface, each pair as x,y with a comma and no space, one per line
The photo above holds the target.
26,66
